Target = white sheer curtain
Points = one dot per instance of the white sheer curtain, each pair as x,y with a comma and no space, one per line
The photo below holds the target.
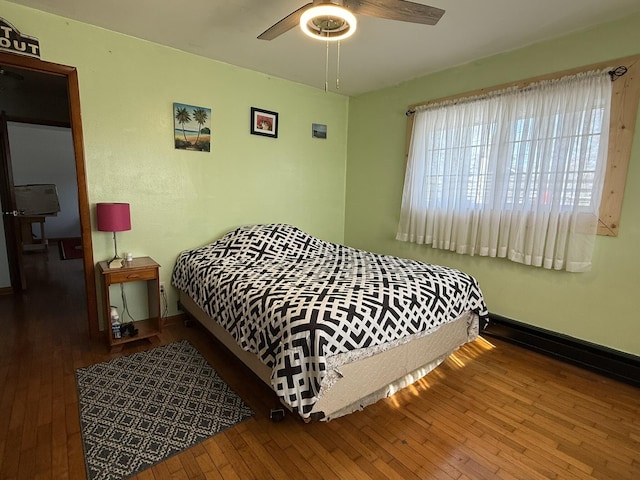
515,174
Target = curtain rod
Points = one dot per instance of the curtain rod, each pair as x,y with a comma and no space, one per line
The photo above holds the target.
614,74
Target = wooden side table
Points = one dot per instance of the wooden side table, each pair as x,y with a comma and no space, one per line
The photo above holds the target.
137,270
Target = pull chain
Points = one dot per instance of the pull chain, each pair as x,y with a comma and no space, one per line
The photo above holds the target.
326,70
338,68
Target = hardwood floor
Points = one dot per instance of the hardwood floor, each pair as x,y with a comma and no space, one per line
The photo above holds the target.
492,410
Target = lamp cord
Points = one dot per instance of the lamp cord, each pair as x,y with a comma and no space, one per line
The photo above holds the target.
165,304
125,306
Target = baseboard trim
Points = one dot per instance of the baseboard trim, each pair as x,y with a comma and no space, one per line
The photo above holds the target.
596,358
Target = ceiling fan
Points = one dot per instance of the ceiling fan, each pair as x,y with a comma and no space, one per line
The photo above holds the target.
335,20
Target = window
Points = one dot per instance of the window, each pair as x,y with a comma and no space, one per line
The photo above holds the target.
624,106
461,152
516,172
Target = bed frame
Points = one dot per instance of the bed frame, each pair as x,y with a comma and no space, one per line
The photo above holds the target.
364,381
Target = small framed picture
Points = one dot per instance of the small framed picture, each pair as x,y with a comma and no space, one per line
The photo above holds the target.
264,122
319,130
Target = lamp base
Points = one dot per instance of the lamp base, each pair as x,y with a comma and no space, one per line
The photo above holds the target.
115,262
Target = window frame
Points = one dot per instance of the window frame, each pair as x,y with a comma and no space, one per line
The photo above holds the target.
624,108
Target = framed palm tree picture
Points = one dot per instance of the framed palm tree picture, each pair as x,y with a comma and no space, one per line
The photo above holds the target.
192,127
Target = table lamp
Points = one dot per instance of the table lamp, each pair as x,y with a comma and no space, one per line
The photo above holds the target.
114,217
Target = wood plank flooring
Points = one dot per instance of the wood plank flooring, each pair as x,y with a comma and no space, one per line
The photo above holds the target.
491,411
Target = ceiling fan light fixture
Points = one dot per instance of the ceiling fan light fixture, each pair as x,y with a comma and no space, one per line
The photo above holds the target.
328,22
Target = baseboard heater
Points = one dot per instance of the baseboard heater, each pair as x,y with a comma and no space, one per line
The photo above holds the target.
605,361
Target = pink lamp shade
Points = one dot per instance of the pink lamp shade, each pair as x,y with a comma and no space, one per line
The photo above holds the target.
113,217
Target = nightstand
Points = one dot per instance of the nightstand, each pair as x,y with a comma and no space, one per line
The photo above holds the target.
141,269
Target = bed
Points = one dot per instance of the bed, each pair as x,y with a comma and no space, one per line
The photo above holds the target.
329,328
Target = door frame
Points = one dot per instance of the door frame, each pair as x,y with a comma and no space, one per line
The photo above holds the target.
73,93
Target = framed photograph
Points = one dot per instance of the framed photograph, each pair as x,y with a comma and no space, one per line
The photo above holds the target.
319,131
191,127
264,122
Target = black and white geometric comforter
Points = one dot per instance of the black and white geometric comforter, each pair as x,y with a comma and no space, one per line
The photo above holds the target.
295,300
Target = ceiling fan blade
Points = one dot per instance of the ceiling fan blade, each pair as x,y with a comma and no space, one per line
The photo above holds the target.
397,10
284,25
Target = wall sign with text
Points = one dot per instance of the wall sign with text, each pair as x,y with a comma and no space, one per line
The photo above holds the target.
12,41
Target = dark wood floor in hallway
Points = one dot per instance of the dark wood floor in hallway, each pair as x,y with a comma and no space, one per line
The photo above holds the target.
492,410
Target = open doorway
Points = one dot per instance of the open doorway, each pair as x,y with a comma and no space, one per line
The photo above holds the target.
50,107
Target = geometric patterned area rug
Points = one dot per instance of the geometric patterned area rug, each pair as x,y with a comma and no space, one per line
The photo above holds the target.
138,410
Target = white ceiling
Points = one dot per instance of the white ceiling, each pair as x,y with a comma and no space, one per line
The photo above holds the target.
381,53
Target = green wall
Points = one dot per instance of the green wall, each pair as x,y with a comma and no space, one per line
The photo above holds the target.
181,199
599,306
